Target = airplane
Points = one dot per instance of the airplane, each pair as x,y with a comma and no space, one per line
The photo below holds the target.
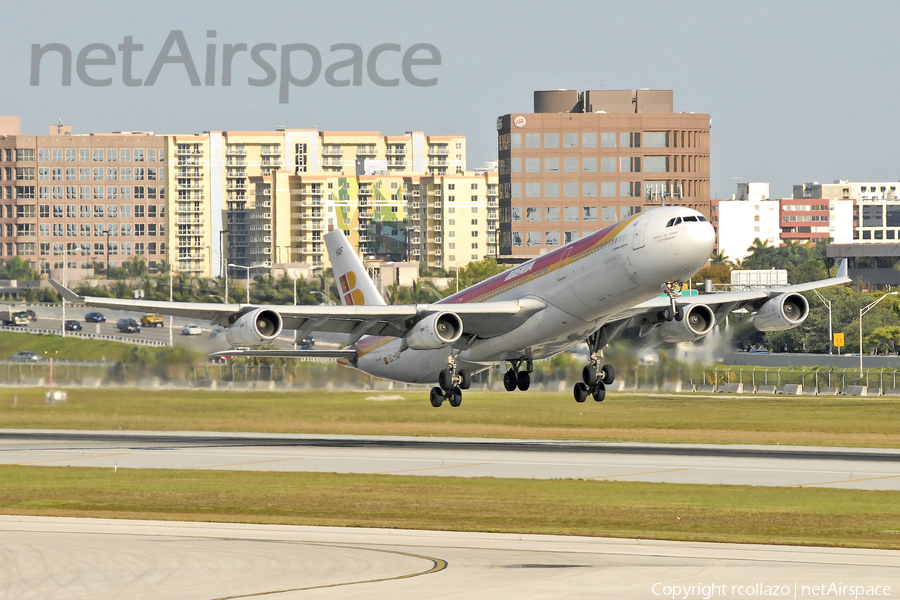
629,273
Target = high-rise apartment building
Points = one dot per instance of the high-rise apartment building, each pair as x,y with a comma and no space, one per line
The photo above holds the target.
247,198
585,159
75,200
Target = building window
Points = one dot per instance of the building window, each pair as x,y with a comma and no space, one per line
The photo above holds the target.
551,189
607,140
532,213
551,164
608,213
570,213
570,140
570,164
532,140
629,140
656,139
551,140
533,238
532,165
589,213
589,164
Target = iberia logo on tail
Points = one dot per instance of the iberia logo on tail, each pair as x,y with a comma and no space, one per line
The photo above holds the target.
352,296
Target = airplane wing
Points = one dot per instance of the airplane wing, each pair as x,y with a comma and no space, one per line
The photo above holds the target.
726,302
485,319
349,354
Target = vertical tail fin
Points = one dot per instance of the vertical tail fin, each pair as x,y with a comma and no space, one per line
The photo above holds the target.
353,281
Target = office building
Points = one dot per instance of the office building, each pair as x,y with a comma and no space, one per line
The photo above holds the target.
583,160
73,200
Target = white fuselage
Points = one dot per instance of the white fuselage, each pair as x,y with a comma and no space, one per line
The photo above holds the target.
582,285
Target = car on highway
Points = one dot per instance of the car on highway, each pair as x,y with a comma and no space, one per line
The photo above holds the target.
31,314
94,317
216,331
191,329
152,320
128,326
27,356
72,325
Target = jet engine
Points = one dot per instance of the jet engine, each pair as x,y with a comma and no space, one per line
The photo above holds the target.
697,322
254,328
782,312
435,331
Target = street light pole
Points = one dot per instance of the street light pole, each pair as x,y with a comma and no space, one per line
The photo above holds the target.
248,275
170,297
863,311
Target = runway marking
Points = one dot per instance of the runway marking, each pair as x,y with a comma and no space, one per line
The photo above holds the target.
438,564
847,481
37,462
255,462
430,468
633,474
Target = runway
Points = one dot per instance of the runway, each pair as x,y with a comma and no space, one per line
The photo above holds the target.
64,558
871,469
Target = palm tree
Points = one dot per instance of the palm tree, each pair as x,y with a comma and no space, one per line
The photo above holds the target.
762,255
719,258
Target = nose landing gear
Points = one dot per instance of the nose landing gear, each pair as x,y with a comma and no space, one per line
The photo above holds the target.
673,290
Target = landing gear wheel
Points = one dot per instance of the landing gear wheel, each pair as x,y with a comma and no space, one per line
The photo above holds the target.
581,392
679,313
599,392
664,315
523,380
607,374
445,380
465,379
589,375
437,397
455,397
510,381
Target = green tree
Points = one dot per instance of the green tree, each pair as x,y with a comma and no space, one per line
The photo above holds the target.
18,268
885,338
475,272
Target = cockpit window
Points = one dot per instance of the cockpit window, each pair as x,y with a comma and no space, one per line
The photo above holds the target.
701,218
678,220
691,218
671,222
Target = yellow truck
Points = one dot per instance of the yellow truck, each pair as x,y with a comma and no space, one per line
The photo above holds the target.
152,320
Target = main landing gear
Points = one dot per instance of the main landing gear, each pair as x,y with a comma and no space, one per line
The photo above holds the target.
514,378
451,383
594,377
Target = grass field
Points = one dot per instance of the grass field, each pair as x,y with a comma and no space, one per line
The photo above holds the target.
680,418
54,346
807,516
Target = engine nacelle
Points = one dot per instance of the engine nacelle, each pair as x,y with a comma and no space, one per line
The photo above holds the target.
435,331
256,327
698,320
781,312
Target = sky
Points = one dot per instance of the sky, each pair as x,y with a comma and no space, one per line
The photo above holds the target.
797,91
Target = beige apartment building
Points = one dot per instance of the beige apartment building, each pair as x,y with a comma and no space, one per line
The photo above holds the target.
443,221
71,200
242,198
583,160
